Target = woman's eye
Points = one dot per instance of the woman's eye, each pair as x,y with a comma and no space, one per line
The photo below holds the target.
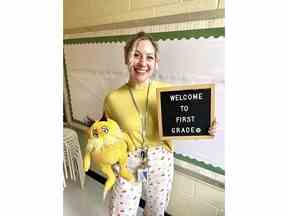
136,55
150,57
105,130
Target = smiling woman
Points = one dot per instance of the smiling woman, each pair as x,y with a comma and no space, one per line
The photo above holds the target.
133,107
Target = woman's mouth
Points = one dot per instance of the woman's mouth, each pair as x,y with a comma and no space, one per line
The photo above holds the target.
140,70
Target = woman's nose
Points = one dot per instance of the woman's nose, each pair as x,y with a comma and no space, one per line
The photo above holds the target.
142,61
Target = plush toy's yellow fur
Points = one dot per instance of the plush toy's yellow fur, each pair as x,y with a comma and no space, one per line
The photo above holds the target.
108,145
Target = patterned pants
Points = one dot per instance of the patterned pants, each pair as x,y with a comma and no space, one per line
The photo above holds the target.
125,196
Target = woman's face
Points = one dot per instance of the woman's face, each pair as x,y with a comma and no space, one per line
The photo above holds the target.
142,62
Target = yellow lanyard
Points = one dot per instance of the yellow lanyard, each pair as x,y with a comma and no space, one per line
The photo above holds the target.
143,120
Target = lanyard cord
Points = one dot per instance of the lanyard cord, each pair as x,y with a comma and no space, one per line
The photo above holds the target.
143,120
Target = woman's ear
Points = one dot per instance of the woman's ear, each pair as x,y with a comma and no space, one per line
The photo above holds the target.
157,61
156,65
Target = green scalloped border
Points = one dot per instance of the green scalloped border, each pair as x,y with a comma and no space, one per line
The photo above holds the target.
196,33
205,33
201,164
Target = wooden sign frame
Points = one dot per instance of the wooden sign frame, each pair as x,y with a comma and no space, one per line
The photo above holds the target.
181,88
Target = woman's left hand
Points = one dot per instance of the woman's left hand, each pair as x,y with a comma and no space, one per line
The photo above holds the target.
212,129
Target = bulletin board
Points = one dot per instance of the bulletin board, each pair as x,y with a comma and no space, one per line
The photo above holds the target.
94,66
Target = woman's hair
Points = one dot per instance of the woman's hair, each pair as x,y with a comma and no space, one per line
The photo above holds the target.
131,45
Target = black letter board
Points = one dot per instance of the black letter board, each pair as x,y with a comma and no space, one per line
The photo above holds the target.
186,112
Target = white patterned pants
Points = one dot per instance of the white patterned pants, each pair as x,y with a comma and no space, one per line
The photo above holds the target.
124,198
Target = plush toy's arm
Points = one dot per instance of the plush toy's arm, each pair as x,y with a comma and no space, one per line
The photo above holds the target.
87,157
129,143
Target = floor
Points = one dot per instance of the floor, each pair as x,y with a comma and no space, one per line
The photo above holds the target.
86,201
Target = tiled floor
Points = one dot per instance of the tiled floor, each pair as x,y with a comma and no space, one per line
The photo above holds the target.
85,202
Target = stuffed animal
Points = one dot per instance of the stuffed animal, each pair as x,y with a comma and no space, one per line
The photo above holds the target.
108,145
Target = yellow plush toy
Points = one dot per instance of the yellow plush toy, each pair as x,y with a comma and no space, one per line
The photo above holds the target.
108,145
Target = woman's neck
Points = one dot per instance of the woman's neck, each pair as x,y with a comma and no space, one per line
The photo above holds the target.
134,84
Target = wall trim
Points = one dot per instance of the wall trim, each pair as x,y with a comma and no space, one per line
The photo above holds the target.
184,17
196,33
199,163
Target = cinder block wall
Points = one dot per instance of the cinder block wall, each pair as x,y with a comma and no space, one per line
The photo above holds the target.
96,12
193,197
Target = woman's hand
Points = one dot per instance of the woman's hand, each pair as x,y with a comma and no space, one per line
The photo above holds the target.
212,129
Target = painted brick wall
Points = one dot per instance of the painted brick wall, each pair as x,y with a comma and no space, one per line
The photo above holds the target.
192,197
82,13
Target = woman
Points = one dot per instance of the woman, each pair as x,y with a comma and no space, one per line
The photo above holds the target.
133,107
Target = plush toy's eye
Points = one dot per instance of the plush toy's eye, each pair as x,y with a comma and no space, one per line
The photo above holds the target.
105,130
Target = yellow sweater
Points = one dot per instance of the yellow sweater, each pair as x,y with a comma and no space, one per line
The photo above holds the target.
119,106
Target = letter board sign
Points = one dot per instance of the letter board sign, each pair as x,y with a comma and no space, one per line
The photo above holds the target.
185,112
